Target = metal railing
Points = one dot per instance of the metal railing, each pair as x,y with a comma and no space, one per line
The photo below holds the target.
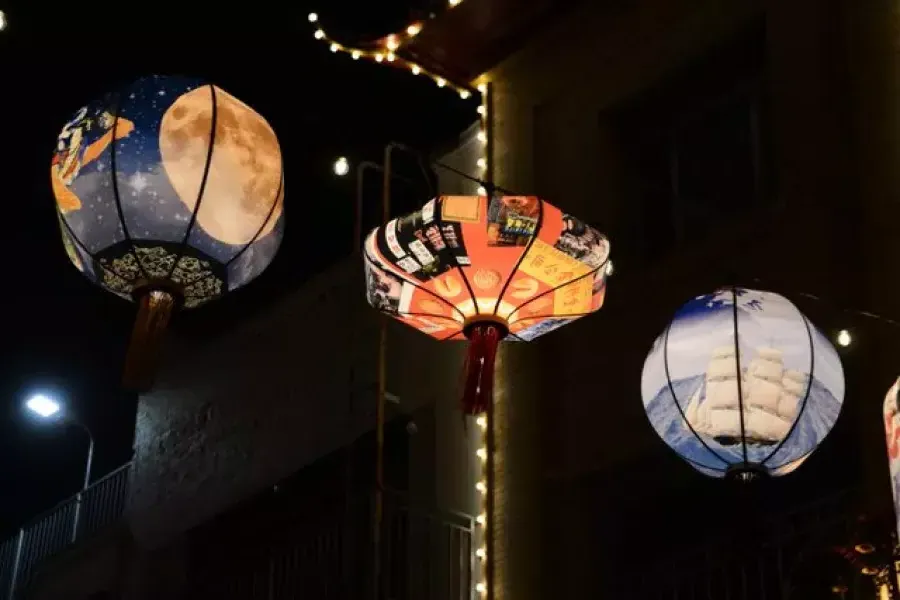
425,556
101,504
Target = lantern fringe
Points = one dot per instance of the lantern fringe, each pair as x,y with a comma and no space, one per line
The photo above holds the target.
154,311
478,386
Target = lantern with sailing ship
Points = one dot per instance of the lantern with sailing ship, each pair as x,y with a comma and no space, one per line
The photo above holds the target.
486,269
169,193
741,384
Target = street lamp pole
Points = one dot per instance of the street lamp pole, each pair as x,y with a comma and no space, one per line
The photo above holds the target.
87,477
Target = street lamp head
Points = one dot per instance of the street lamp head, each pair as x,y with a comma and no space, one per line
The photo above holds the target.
341,166
43,406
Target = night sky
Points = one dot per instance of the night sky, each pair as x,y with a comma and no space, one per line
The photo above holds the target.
66,336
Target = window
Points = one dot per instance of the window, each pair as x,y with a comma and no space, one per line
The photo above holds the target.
693,148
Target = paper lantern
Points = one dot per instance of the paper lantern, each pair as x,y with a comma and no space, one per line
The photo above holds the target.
741,384
892,435
169,192
464,267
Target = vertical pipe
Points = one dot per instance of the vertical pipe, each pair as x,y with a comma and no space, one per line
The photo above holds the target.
491,441
87,479
16,561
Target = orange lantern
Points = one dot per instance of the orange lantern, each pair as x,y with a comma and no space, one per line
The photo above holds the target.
469,267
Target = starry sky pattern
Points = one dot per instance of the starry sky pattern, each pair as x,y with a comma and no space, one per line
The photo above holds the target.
151,208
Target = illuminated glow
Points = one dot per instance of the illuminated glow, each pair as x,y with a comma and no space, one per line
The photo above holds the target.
391,57
416,70
379,57
481,553
481,486
441,81
413,30
481,421
464,94
481,519
481,453
481,588
482,163
481,191
313,17
43,406
482,136
482,110
843,338
735,373
341,166
482,87
335,47
355,55
3,20
514,259
319,34
454,2
392,42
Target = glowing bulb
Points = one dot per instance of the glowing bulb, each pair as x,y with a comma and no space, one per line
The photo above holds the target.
392,43
482,87
843,338
319,34
481,453
481,588
482,110
482,192
3,21
416,70
609,268
482,136
441,82
482,163
413,29
482,420
454,2
464,94
379,57
481,553
313,17
481,519
391,57
341,166
335,47
481,486
355,55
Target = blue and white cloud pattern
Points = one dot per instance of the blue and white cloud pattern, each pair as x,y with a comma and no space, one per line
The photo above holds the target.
791,383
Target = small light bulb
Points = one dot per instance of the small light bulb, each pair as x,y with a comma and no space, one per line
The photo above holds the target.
482,87
843,338
480,588
413,29
454,2
481,486
464,94
482,192
335,47
356,55
392,43
482,110
481,453
319,34
341,166
391,57
416,69
313,17
481,420
481,553
482,136
482,163
481,519
441,82
379,57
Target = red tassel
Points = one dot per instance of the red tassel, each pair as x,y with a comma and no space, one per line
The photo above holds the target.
478,388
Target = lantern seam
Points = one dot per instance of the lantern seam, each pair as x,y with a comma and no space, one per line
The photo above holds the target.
115,187
202,190
537,230
678,406
560,286
739,374
812,364
86,251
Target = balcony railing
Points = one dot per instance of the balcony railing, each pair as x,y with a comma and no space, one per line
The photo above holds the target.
101,504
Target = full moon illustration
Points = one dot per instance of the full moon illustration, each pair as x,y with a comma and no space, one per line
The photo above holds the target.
245,170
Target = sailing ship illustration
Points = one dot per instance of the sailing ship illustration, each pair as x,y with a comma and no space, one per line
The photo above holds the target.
771,397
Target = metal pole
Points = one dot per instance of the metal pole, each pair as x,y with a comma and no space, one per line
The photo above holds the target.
84,486
489,529
15,571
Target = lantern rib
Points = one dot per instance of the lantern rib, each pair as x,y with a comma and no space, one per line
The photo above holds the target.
417,286
115,187
560,286
537,230
678,406
255,237
84,248
812,362
737,366
203,180
462,274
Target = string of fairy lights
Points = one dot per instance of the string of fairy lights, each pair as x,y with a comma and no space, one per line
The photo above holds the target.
385,51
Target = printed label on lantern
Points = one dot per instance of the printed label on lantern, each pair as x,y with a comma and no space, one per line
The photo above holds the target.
550,266
582,242
433,234
574,298
512,220
390,236
409,264
428,212
461,209
404,301
421,252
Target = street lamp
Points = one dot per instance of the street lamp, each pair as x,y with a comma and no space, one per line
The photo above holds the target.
46,408
3,20
341,166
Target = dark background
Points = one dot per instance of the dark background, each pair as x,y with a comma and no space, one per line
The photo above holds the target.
64,335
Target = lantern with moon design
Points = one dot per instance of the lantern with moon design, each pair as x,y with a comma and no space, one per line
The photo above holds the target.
741,384
891,418
486,269
169,193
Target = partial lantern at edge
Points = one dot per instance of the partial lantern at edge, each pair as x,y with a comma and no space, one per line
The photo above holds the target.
508,267
741,384
891,416
169,192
